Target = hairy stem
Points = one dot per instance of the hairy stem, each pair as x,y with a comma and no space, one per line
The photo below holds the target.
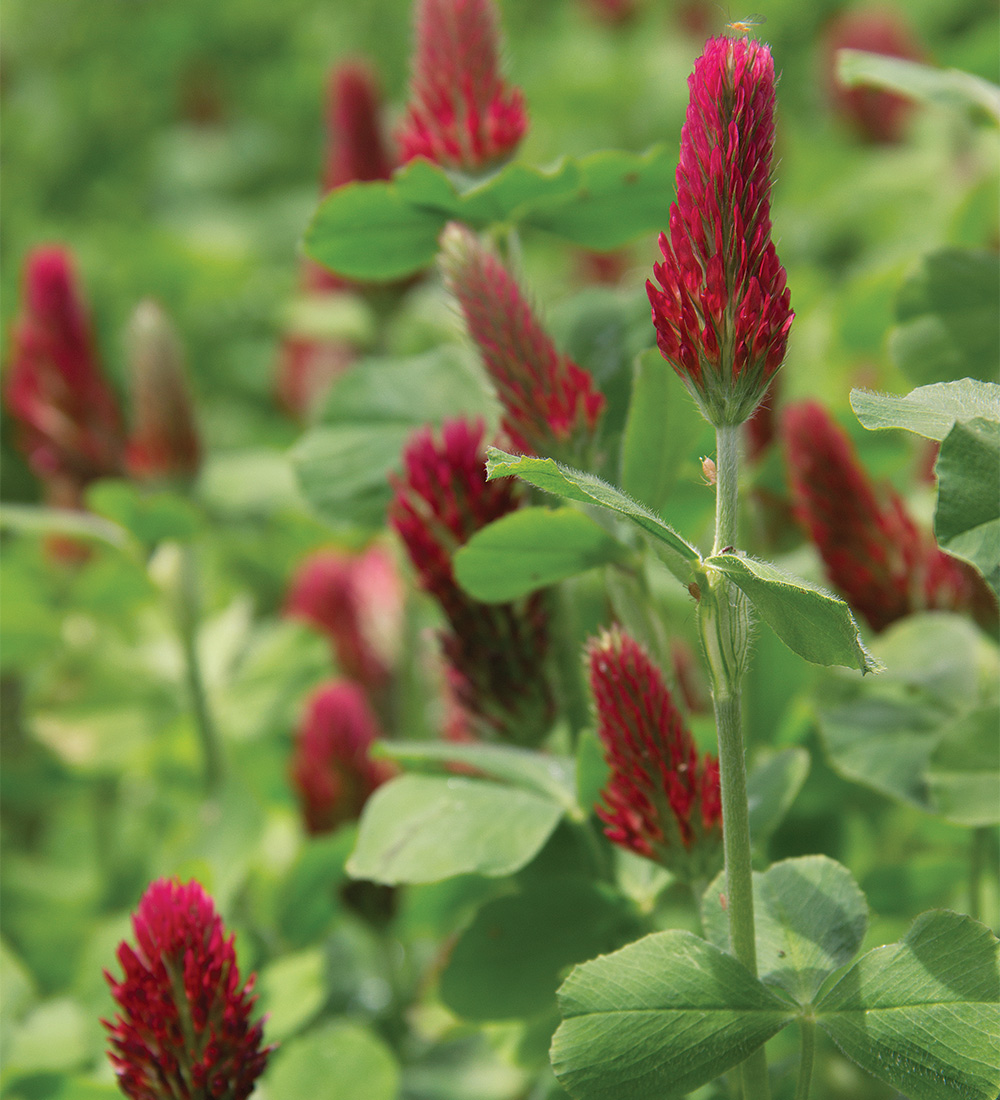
807,1026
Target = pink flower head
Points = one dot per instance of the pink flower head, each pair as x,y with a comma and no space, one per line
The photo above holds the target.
356,144
461,114
874,114
873,551
495,652
164,441
356,600
184,1031
331,769
721,310
549,402
662,799
69,423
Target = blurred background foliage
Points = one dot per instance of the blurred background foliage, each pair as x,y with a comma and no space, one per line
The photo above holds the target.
176,148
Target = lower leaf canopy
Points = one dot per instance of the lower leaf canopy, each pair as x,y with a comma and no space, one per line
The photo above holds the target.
658,1018
922,1014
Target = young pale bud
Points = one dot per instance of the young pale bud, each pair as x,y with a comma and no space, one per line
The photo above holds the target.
164,442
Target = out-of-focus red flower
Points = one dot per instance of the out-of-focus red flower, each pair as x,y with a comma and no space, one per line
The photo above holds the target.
68,421
183,1031
462,114
603,268
356,600
550,404
873,552
691,683
164,440
721,309
332,770
307,369
496,653
760,430
662,798
613,12
873,113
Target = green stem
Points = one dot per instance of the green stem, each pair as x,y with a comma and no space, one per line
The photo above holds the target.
188,609
807,1027
725,633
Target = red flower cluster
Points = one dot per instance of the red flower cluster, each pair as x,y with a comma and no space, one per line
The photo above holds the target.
356,150
873,551
164,442
873,113
331,769
495,652
68,419
184,1031
722,316
549,402
461,114
357,602
662,800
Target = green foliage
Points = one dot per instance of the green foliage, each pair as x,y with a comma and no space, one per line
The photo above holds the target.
386,230
811,919
930,411
659,1017
335,1061
531,548
771,789
421,828
922,1014
810,621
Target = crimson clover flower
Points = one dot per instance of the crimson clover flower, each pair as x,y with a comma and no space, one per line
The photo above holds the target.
183,1031
331,769
69,424
874,114
356,600
495,653
873,552
662,798
461,114
721,310
549,402
164,440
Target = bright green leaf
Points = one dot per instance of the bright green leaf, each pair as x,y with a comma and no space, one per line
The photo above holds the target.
507,963
658,1018
922,1014
622,195
930,411
338,1061
810,621
292,992
944,87
554,477
421,828
964,770
948,325
52,1038
811,918
38,520
542,773
771,789
530,548
662,428
967,521
516,189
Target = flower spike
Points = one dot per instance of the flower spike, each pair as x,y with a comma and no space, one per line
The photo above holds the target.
721,309
462,114
495,653
549,402
873,551
184,1031
662,799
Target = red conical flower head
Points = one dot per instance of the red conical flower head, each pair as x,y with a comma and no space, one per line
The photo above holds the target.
332,770
69,423
184,1030
495,652
721,310
873,551
462,114
662,798
550,404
